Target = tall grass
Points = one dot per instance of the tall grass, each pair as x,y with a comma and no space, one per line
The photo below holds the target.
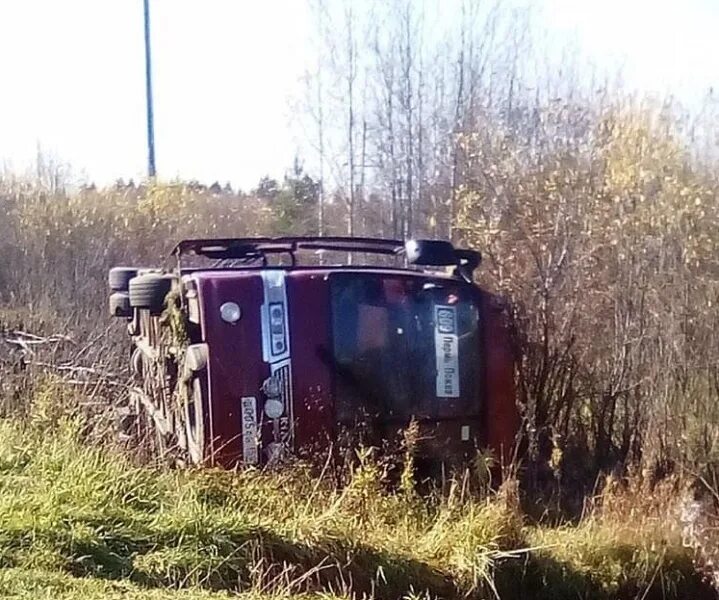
81,519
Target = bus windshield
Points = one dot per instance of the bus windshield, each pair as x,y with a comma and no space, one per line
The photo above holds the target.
404,346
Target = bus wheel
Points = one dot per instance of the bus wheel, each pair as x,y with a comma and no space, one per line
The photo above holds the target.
195,419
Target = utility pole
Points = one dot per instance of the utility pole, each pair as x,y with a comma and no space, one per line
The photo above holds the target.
151,171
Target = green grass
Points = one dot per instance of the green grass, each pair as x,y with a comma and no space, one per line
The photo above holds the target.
78,521
38,584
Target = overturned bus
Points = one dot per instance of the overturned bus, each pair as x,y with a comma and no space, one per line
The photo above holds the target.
250,350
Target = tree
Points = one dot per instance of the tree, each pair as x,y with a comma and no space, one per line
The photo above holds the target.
295,204
267,188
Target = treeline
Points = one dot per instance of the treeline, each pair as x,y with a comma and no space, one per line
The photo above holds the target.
596,212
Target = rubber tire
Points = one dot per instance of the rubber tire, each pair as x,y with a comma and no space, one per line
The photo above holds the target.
431,253
149,292
195,420
120,305
119,278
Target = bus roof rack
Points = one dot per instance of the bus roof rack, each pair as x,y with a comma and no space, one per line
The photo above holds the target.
238,248
416,252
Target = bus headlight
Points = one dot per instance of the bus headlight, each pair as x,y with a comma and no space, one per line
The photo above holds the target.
230,312
271,387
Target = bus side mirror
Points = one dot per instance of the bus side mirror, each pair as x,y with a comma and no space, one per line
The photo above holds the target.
430,253
467,263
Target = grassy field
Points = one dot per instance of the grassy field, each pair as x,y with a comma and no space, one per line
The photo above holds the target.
81,520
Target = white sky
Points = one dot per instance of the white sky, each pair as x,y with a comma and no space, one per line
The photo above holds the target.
662,46
72,79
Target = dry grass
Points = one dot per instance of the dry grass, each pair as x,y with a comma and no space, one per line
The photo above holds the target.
81,520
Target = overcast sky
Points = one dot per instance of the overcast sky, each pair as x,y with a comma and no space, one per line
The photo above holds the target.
225,70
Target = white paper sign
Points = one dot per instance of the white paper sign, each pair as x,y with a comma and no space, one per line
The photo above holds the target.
446,347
